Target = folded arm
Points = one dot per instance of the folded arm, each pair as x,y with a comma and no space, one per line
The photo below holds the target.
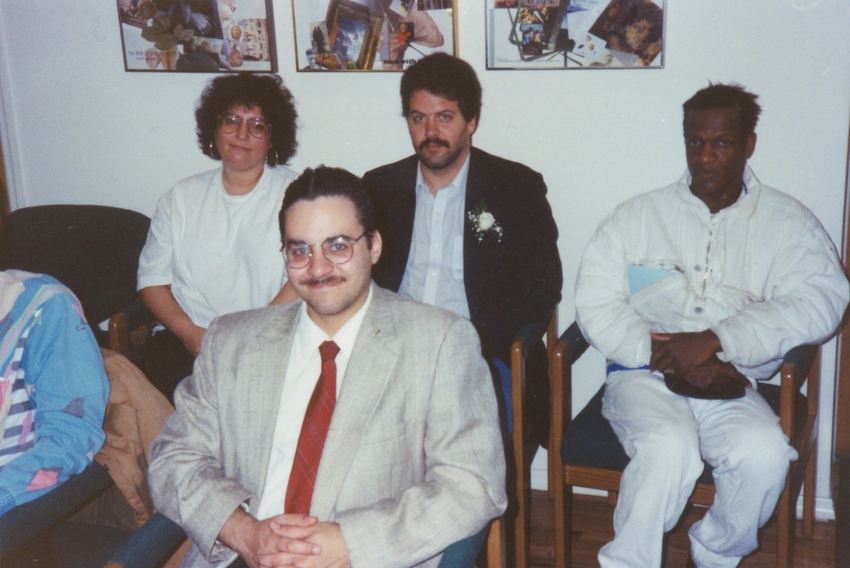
681,353
602,308
805,300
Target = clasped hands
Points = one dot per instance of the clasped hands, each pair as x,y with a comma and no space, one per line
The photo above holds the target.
289,541
691,367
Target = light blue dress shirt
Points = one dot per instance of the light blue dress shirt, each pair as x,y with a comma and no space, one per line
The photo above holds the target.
434,272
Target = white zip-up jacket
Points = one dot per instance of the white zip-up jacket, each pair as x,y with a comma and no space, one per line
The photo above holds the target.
762,274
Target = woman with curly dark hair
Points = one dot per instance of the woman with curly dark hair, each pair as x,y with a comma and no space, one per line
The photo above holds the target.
214,246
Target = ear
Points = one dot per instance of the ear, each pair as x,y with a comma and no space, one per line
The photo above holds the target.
377,245
750,144
472,126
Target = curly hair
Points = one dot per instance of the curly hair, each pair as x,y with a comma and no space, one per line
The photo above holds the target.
266,92
447,76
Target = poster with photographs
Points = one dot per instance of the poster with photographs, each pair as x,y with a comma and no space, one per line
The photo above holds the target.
371,35
207,36
575,34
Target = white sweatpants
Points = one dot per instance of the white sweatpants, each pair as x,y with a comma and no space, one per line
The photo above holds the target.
666,436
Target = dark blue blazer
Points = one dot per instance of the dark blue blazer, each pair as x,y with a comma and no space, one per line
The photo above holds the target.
509,283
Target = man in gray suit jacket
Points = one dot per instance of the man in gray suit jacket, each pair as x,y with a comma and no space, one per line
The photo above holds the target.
413,457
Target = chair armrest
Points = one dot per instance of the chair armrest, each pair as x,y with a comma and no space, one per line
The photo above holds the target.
576,343
531,333
462,554
137,314
125,321
150,545
570,346
802,357
27,521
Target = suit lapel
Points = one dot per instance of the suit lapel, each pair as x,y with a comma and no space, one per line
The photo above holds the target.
477,183
402,211
270,358
369,370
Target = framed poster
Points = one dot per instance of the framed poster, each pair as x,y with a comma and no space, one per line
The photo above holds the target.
211,36
371,35
575,34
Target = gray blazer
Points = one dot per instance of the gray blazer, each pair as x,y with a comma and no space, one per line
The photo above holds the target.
413,460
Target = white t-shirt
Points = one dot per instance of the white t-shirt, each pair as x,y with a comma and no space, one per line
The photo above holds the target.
220,253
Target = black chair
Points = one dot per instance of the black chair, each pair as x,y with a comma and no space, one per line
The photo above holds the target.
92,249
592,457
21,524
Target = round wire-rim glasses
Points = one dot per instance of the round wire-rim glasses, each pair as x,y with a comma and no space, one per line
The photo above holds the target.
338,250
258,127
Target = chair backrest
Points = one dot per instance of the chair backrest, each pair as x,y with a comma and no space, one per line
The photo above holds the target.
92,249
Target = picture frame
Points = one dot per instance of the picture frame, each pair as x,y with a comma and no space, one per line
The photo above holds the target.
575,34
197,36
371,35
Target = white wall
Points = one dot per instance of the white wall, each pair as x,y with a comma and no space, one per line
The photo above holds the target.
76,128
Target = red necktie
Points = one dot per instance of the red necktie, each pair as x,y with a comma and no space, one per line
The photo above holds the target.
314,430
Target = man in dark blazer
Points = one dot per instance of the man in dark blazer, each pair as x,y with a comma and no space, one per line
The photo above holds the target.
466,230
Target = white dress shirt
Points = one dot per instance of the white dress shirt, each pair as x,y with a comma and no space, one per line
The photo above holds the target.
302,374
434,272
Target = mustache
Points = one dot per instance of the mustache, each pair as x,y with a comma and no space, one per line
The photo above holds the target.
437,141
321,281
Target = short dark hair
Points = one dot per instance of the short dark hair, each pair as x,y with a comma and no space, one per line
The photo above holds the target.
719,95
330,182
447,76
251,90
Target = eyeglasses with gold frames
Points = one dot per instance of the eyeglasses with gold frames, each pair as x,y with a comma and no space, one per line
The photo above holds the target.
338,250
258,127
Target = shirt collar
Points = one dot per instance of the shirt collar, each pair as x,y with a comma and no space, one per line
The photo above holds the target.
11,287
458,184
745,205
346,336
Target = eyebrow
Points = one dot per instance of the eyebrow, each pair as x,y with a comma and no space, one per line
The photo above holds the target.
246,116
301,242
441,111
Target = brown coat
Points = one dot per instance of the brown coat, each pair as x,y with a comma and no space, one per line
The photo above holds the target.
134,414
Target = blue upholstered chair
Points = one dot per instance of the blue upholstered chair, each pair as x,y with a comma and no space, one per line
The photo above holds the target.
592,457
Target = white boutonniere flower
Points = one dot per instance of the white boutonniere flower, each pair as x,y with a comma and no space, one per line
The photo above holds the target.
484,222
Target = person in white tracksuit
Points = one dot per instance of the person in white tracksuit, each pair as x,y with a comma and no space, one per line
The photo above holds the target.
708,281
